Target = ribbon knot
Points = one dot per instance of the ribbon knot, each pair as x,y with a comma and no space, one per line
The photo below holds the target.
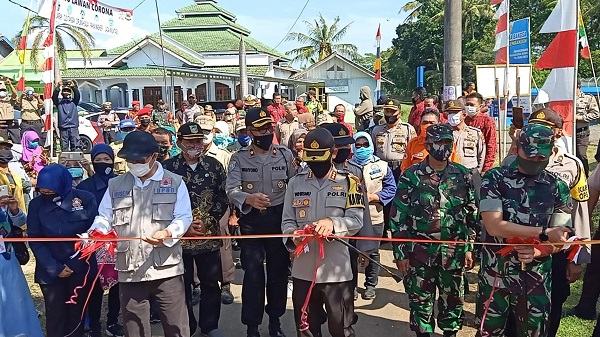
517,241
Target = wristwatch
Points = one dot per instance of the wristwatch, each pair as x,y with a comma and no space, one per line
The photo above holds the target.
543,235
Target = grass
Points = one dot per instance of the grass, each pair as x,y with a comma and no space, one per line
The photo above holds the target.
573,326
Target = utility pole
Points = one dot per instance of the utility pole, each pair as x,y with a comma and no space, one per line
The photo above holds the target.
453,44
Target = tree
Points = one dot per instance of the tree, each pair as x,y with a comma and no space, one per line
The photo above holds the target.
83,40
367,61
321,40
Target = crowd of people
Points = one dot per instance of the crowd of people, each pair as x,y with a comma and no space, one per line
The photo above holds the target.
166,180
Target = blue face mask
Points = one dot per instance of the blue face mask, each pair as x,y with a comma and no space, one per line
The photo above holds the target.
362,155
33,145
76,172
244,140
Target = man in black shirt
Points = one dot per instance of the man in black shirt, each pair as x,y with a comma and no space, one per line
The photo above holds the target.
205,179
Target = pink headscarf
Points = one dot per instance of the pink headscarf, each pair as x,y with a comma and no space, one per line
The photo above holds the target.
31,154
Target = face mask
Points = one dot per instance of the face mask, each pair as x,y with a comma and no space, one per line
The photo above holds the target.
103,169
263,142
471,111
50,197
6,156
319,168
454,119
220,139
76,172
440,152
208,139
391,119
531,167
341,156
415,100
67,97
362,154
163,151
107,110
33,145
140,170
244,140
3,93
145,122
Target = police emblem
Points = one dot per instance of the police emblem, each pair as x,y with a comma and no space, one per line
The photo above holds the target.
342,132
249,186
281,184
314,145
232,165
302,213
390,103
193,128
166,182
262,114
306,202
451,104
77,204
541,115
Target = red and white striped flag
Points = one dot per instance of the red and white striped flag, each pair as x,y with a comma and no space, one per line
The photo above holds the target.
502,33
48,75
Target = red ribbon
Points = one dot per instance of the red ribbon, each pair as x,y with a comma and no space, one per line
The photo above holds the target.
308,230
573,250
516,241
86,250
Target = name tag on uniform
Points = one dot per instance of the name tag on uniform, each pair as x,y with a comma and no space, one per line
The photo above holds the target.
121,194
165,190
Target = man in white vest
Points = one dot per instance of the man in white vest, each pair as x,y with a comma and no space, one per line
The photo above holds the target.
152,204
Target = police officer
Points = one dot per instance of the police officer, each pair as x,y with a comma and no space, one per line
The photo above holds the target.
526,201
256,182
469,141
435,200
126,126
587,111
154,204
390,142
9,128
31,103
332,201
570,170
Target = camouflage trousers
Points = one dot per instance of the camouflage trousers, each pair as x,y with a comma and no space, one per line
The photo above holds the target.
531,312
421,285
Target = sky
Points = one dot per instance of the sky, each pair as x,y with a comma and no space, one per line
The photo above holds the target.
268,20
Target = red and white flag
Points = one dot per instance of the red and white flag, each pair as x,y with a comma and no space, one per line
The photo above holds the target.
502,32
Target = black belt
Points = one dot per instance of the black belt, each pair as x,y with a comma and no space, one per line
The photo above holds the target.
31,121
583,129
267,211
394,163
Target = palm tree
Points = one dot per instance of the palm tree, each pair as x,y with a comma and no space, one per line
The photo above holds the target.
321,41
83,40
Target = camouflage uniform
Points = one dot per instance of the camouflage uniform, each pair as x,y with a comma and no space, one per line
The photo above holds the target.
541,200
434,205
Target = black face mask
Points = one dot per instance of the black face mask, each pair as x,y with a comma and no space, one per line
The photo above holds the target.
391,119
163,151
6,156
145,122
263,142
319,168
51,197
103,169
531,167
342,156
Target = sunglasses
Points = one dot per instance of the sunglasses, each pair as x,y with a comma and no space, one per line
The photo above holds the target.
359,145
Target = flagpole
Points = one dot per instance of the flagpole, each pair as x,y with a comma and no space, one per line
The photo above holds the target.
48,100
506,84
575,70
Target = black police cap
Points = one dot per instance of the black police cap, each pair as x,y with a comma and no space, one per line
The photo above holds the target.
341,134
318,145
257,118
546,117
191,130
138,145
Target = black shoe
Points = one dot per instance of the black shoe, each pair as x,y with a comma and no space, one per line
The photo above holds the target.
226,295
154,319
252,332
196,296
423,334
276,332
115,330
589,316
369,293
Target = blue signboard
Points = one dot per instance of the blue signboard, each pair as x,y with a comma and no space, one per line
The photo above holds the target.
520,46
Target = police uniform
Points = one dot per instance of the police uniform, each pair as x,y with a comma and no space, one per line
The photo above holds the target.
120,165
109,133
434,205
252,172
539,200
571,171
337,196
586,112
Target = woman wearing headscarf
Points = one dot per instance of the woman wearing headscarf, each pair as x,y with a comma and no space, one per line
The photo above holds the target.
296,144
381,188
222,137
18,316
33,157
61,212
103,162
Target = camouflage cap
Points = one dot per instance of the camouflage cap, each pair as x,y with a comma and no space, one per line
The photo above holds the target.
546,117
536,140
439,132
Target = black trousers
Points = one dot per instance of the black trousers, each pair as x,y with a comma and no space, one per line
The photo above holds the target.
387,208
10,130
582,139
135,304
69,139
372,269
591,282
208,266
95,306
37,126
339,308
64,319
560,291
109,136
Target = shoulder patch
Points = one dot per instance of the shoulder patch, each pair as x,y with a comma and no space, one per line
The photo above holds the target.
355,193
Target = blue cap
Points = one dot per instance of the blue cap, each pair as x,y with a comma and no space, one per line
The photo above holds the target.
127,123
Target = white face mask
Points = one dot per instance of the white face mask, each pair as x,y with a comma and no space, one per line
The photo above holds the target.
471,111
3,93
454,119
208,139
140,170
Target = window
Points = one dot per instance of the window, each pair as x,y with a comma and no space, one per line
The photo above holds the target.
136,94
201,93
178,97
152,95
222,92
335,71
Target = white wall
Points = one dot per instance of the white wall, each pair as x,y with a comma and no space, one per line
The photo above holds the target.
234,60
150,54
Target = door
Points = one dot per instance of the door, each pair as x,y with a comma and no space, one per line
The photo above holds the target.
151,95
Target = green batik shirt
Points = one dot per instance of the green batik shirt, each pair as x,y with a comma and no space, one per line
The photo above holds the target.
542,200
434,205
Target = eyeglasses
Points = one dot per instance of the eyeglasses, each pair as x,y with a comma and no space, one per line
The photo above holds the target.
427,123
359,145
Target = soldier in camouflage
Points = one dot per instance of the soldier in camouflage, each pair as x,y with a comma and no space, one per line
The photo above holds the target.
435,200
521,200
587,111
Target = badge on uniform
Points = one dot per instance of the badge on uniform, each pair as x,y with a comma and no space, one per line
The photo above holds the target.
302,214
281,184
166,182
337,188
77,204
249,186
232,166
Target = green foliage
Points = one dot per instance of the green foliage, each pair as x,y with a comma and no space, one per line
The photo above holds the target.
367,61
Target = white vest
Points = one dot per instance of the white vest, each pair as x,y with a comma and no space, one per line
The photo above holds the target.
374,173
